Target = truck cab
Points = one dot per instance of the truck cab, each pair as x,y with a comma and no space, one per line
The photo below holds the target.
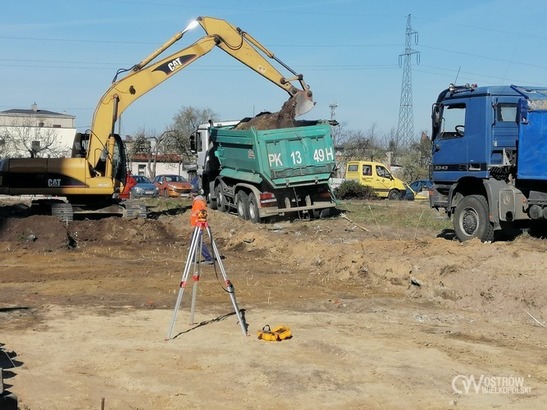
200,142
474,130
488,162
376,176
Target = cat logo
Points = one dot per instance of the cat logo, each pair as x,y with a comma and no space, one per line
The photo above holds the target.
54,182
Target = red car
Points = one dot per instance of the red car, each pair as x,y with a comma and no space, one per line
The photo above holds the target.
172,186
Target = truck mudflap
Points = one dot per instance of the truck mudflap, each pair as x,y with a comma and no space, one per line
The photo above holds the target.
437,200
267,211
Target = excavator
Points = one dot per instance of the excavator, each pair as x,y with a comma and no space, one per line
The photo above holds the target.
94,177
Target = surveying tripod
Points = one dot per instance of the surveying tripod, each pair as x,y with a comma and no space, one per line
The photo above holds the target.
194,254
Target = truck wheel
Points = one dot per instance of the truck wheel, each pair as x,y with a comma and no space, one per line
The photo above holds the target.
471,219
394,195
254,214
242,203
221,200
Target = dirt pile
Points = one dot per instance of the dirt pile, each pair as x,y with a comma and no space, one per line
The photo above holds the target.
284,118
35,232
39,232
447,273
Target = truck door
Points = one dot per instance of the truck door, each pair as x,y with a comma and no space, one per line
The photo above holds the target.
459,146
449,152
383,180
366,177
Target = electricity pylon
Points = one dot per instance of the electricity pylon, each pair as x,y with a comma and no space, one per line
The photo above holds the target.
405,129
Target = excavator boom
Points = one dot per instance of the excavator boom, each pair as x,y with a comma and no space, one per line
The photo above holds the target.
148,74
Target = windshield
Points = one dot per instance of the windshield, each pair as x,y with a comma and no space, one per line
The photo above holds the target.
175,178
382,172
141,179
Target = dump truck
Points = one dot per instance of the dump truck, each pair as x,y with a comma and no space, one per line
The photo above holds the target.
264,173
488,158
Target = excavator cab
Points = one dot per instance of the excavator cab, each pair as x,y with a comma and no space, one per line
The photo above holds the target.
80,145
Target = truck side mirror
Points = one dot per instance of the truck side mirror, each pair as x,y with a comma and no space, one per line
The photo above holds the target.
435,115
436,120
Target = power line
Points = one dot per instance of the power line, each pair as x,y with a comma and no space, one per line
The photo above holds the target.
312,45
83,65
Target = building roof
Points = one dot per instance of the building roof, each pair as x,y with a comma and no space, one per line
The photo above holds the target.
45,113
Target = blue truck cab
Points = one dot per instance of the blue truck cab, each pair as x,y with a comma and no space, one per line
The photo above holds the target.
489,161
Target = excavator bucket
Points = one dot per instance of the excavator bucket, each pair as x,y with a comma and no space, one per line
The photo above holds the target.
304,103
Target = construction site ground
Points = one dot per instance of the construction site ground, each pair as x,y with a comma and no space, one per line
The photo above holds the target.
382,316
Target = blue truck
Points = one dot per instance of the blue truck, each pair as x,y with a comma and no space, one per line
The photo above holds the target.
489,158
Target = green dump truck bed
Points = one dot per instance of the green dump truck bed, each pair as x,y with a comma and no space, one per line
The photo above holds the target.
285,157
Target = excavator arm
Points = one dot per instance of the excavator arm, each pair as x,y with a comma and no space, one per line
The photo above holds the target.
148,74
243,47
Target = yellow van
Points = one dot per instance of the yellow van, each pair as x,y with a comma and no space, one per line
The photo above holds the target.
376,176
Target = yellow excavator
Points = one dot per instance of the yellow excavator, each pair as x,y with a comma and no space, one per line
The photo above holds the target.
93,178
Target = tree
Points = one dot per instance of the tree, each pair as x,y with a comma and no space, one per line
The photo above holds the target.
362,146
148,144
415,161
22,138
395,145
186,122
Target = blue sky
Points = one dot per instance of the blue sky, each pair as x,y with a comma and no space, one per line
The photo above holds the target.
63,54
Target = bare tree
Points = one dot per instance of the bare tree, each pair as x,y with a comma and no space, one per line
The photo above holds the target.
416,159
339,134
363,146
149,145
185,122
21,137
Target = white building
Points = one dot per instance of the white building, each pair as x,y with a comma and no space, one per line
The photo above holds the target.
150,166
35,132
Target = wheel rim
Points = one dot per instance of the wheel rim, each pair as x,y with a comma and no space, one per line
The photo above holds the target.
252,209
469,221
240,209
